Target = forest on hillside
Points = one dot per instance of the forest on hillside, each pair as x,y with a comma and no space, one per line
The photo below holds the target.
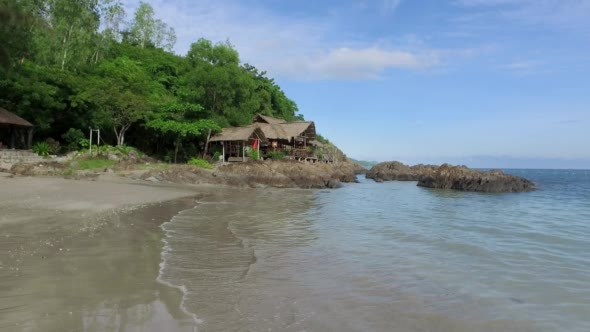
70,65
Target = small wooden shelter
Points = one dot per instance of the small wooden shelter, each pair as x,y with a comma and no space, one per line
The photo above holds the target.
294,137
272,134
20,131
235,140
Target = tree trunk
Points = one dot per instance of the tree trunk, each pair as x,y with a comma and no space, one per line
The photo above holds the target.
65,43
176,149
207,143
120,134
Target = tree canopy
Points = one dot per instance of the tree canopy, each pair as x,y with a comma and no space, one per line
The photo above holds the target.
70,65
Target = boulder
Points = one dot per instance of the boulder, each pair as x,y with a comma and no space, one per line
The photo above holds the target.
396,171
463,178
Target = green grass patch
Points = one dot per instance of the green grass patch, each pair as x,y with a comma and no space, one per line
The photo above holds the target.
87,164
200,163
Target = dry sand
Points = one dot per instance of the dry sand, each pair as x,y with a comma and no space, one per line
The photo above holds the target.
25,198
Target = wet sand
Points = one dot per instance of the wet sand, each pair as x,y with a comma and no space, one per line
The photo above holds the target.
85,255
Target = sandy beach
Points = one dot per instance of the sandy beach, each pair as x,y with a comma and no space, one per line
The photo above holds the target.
84,255
24,198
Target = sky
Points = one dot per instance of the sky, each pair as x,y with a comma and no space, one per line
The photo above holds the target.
485,83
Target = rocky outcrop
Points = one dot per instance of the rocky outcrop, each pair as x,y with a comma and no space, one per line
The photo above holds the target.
396,171
278,174
450,177
463,178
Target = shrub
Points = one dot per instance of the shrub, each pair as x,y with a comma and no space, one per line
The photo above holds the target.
254,154
42,148
216,156
124,149
84,143
199,163
73,138
276,155
54,145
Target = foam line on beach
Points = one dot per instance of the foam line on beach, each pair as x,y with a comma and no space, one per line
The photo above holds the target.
182,288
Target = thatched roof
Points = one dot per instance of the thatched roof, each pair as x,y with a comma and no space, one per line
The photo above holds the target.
8,118
301,128
288,130
267,119
267,127
238,134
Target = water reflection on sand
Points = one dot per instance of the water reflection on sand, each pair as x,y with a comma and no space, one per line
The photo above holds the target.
59,274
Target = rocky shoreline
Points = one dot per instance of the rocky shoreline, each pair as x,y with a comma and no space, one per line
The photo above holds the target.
276,174
253,174
283,174
450,177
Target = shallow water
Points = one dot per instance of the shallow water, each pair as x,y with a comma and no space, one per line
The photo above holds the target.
62,272
387,257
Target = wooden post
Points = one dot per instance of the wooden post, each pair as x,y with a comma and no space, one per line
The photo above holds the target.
90,141
243,151
223,153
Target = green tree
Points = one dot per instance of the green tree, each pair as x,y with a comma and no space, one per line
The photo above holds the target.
122,92
181,122
147,30
73,26
112,16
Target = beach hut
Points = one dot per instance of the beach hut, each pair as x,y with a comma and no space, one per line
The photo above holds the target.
17,131
235,140
292,137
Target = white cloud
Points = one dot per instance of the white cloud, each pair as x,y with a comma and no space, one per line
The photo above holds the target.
294,47
352,63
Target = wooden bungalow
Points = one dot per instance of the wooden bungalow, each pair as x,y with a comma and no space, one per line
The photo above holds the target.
235,140
17,131
290,137
272,135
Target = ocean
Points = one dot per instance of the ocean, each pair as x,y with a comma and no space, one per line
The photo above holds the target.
386,257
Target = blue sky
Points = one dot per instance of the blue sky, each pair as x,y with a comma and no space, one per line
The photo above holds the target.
486,83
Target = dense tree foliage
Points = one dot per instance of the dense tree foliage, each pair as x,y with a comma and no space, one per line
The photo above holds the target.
67,65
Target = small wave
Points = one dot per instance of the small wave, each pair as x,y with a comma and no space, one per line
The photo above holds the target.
182,288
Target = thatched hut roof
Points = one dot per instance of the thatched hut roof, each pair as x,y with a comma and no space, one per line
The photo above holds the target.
288,130
267,127
259,118
300,128
238,134
8,118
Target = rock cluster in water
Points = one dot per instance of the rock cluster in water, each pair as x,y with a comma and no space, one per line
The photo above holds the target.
450,177
396,171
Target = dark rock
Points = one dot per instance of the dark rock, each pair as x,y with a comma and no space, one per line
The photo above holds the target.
396,171
463,178
333,184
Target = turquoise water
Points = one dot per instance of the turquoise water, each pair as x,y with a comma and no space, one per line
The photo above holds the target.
388,257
